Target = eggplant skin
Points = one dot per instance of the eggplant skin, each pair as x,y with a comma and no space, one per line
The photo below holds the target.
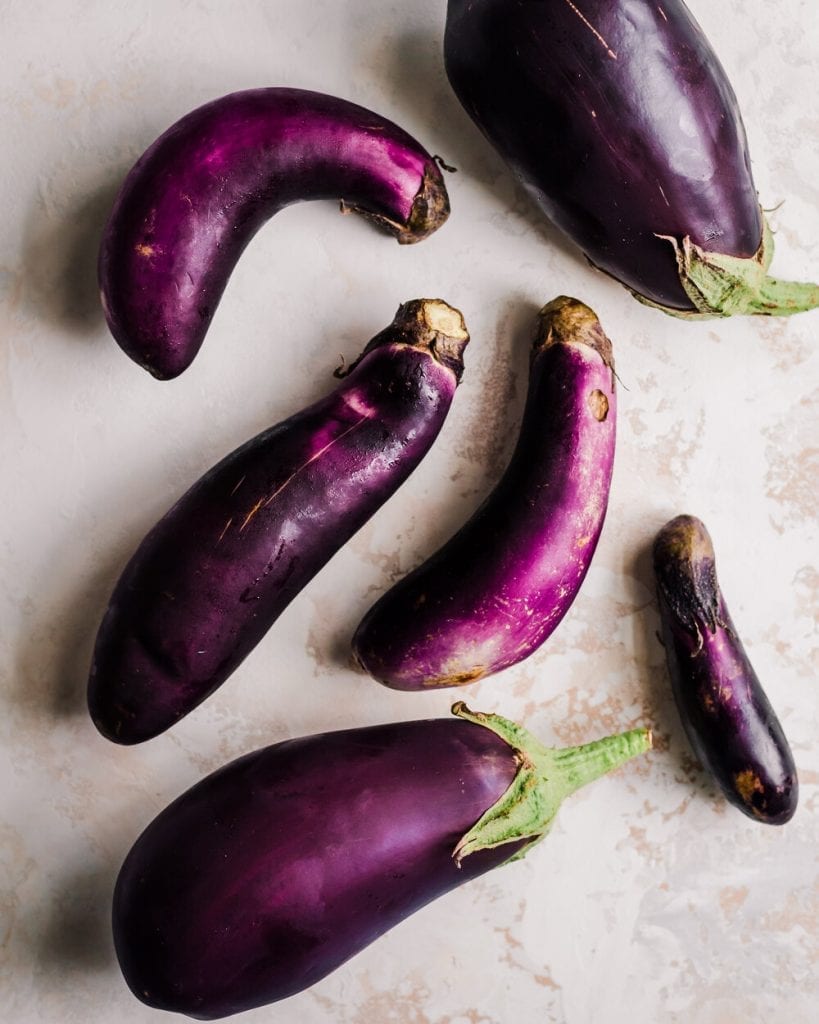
495,592
619,119
197,196
273,871
726,714
212,576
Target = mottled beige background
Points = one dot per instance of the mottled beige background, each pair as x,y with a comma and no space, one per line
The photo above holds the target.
651,901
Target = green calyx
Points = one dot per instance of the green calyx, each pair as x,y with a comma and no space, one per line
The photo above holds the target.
545,777
719,285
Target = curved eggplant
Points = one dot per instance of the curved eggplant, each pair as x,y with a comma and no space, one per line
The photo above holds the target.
498,589
213,575
197,196
618,118
277,868
727,717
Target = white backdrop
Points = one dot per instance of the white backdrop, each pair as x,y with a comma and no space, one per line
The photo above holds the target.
651,900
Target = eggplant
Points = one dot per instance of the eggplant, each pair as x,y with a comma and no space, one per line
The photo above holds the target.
197,196
728,719
277,868
501,585
212,576
619,120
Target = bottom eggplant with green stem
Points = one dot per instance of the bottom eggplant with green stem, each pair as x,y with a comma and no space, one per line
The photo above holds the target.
727,716
274,870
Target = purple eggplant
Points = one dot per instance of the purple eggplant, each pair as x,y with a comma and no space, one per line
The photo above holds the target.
196,197
620,121
213,575
497,589
727,717
277,868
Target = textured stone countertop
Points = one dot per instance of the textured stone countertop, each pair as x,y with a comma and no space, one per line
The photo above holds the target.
652,900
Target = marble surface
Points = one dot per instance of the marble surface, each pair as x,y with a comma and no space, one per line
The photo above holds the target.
651,900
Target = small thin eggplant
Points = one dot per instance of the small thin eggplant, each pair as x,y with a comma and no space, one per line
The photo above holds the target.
618,118
197,196
727,717
212,576
501,585
276,869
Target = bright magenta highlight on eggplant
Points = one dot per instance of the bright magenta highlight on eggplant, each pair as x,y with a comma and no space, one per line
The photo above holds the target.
197,196
277,868
501,585
210,579
727,716
618,118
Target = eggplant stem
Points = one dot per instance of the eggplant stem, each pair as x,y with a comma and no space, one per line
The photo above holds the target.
444,166
719,285
545,777
426,324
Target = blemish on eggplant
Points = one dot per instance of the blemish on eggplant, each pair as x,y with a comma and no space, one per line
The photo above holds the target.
748,783
598,404
458,679
707,702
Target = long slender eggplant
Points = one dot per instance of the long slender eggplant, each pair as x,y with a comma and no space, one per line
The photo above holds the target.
618,118
498,589
213,575
279,867
728,718
197,196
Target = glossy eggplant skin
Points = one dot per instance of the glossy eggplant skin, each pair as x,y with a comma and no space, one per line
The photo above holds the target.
619,119
728,719
276,869
198,195
501,585
209,580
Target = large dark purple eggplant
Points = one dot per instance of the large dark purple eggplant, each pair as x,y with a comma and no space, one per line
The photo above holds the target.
198,195
728,719
273,871
499,588
212,576
620,121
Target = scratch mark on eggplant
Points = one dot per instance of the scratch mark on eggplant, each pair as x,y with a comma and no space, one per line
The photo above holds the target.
252,513
264,502
593,30
236,488
225,530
